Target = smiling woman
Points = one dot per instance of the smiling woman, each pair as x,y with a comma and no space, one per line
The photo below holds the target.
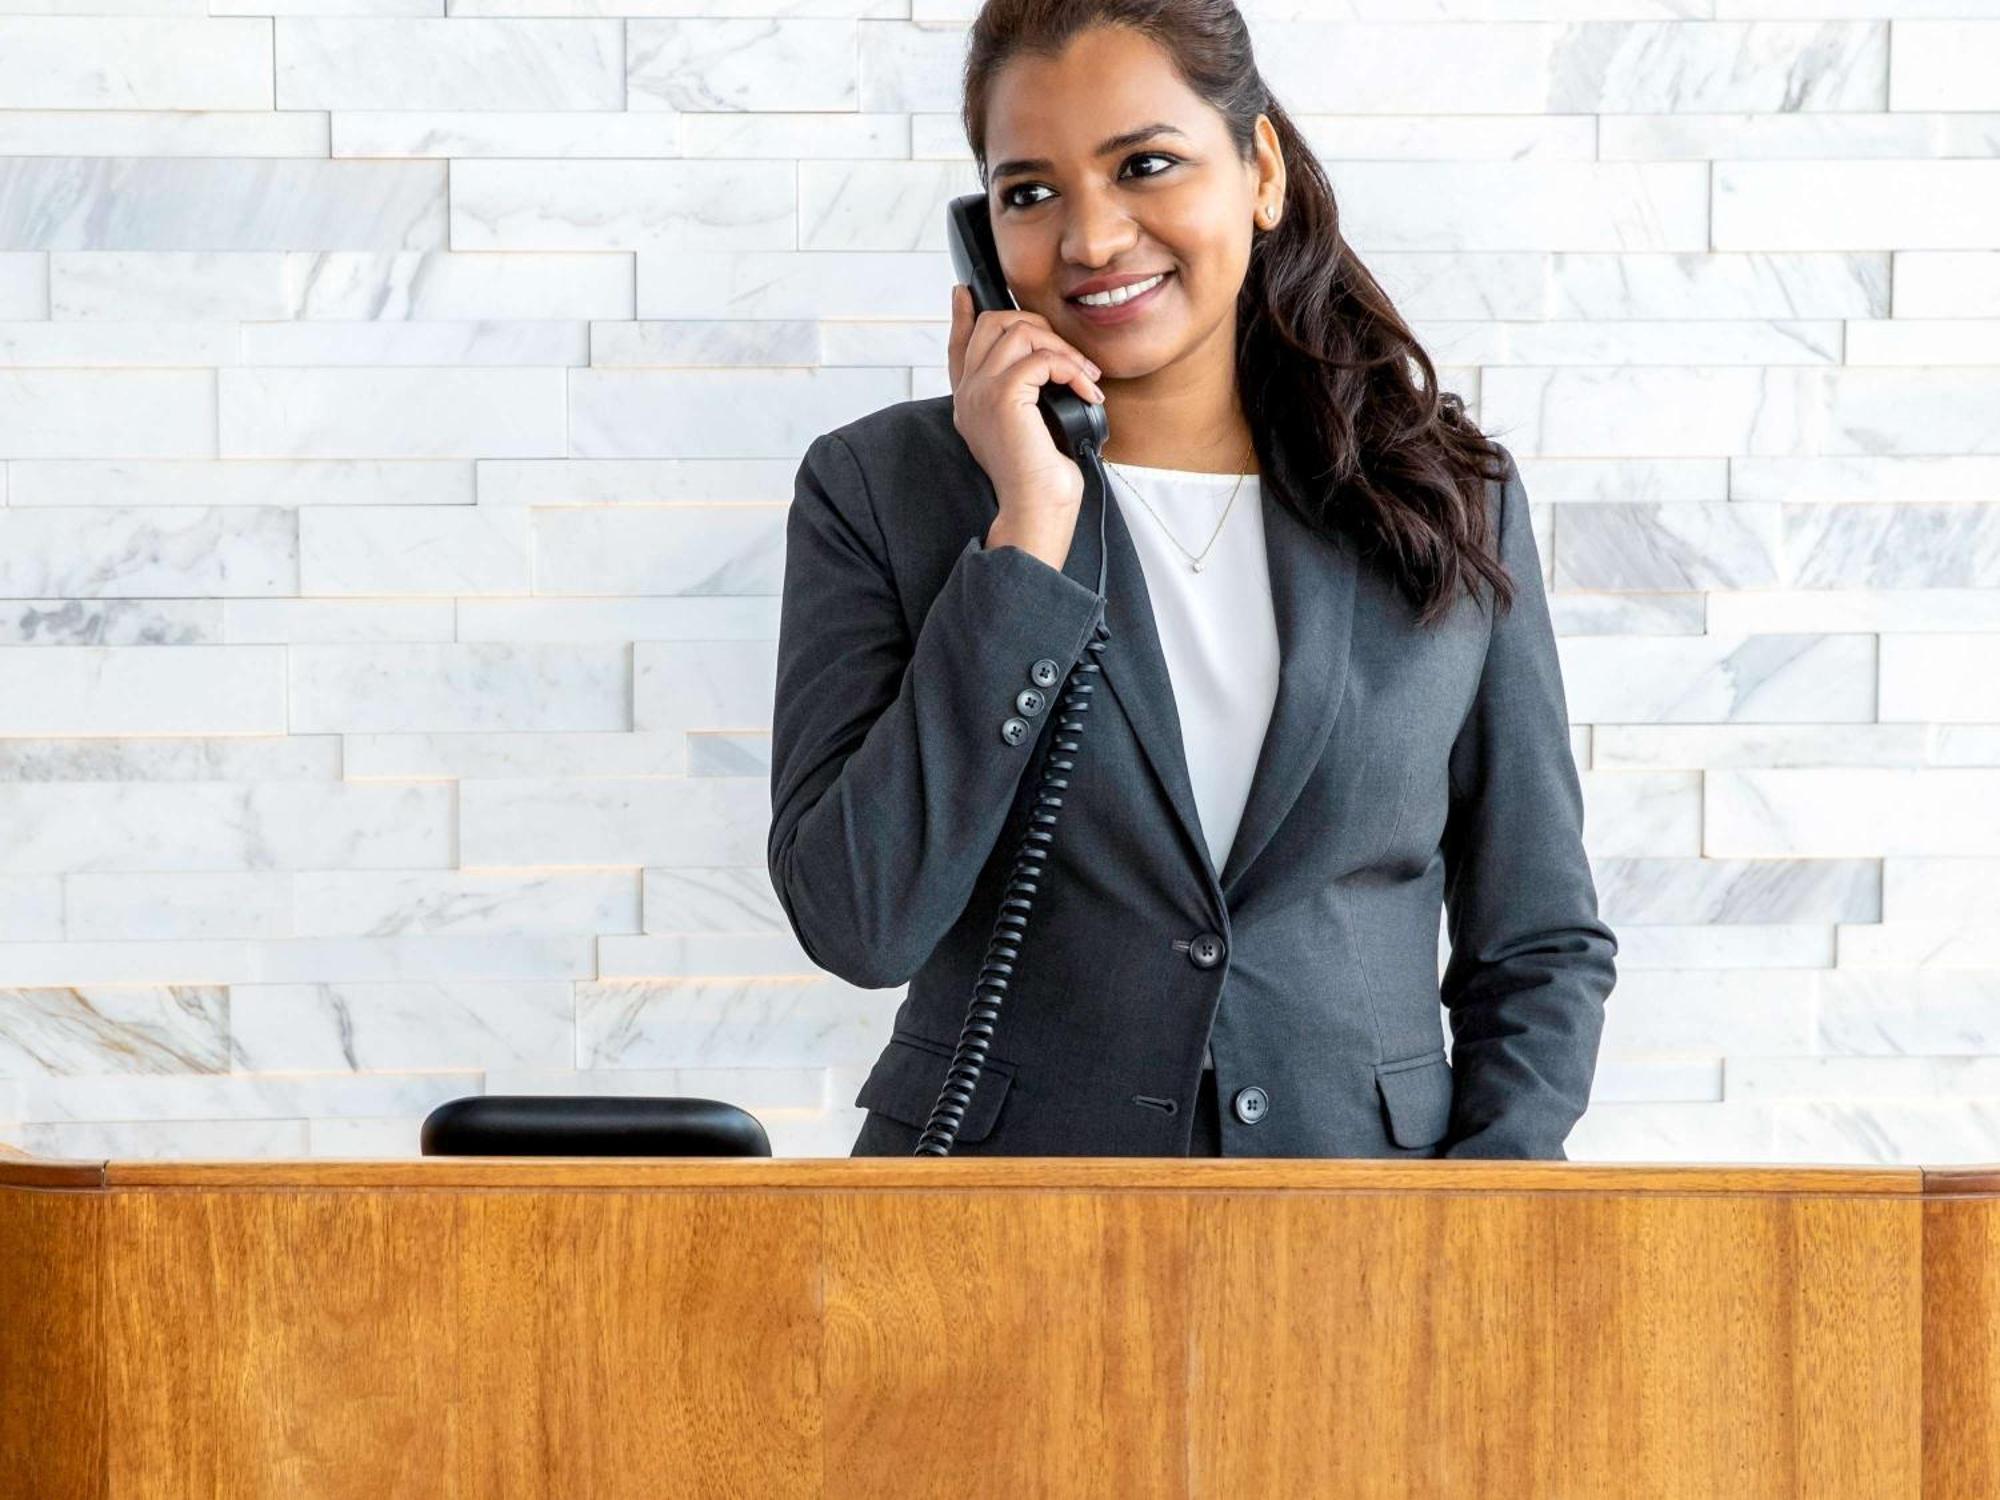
1155,204
1324,717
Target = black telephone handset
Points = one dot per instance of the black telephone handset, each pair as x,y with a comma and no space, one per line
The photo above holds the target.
1079,428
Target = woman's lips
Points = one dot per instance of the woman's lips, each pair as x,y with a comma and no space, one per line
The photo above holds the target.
1123,312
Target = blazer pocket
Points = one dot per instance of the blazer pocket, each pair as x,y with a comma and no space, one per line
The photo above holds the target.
1417,1094
910,1074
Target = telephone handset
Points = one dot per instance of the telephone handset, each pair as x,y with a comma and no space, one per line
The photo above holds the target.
1079,429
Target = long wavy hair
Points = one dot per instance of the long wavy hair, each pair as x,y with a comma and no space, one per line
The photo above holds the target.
1347,439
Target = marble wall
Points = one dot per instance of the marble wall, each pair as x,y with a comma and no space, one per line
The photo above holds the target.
399,403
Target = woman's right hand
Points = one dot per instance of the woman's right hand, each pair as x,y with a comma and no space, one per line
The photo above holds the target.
1000,360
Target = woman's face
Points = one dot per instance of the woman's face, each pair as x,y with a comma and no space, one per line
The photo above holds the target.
1178,200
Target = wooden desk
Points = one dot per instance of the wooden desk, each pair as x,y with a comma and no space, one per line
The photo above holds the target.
591,1329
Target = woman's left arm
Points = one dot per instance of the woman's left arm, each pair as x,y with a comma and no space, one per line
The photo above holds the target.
1531,963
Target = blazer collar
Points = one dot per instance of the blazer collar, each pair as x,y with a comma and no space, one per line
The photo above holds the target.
1312,596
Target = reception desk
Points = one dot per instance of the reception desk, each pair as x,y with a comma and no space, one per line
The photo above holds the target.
866,1328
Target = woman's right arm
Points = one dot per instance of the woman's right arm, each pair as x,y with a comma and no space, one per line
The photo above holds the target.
890,779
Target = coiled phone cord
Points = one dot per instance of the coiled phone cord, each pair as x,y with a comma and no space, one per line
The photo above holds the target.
1003,948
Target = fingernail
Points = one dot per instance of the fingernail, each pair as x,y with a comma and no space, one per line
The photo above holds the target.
1094,371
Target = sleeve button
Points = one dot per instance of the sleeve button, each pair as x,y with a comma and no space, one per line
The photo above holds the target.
1044,673
1014,731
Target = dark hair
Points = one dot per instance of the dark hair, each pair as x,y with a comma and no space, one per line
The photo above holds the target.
1322,358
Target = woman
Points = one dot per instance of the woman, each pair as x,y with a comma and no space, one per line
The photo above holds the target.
1335,707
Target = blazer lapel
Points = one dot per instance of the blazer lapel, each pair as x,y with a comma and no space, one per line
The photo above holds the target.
1312,596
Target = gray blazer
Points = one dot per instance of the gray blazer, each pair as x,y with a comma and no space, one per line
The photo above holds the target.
1404,772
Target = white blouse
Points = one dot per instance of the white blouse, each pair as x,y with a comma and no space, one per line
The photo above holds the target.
1217,628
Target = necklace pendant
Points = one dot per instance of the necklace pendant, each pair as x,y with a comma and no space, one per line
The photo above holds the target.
1198,566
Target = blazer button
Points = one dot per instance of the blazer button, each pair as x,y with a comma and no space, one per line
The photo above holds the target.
1030,702
1251,1104
1045,673
1205,951
1013,731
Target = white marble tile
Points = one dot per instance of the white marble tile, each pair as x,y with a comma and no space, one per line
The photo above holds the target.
1884,610
1945,65
166,552
31,911
110,622
501,132
128,286
175,1140
106,413
1856,205
1708,284
787,284
702,550
1716,1010
661,820
704,684
221,758
709,341
715,899
1742,947
1673,546
161,132
1892,546
521,342
126,1029
275,483
801,133
458,688
414,1023
216,204
391,412
1910,1079
1877,478
1902,1134
223,825
108,907
1655,1078
1940,890
659,206
1826,812
1735,891
24,284
1787,136
133,345
1922,945
634,481
1937,678
1947,283
342,621
340,903
704,64
1675,1132
1890,1013
1567,206
407,549
1666,747
715,413
457,63
237,1096
88,690
1818,679
1630,813
878,205
135,62
456,284
522,755
726,1022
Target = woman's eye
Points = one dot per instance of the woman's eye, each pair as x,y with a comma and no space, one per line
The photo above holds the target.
1008,200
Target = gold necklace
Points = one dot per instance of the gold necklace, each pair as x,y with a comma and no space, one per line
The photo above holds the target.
1196,561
